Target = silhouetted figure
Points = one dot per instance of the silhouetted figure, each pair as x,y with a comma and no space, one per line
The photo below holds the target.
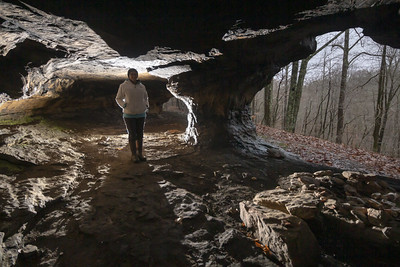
132,98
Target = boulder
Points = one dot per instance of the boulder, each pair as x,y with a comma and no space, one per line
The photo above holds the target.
235,243
302,204
287,236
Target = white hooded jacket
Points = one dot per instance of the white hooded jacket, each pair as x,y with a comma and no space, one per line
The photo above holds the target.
132,98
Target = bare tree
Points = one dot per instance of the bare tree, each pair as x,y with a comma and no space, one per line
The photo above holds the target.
293,93
296,87
342,92
388,87
267,103
397,122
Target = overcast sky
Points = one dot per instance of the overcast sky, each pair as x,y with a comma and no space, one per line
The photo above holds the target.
334,54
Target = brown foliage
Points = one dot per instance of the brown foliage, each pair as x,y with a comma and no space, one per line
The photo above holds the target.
320,151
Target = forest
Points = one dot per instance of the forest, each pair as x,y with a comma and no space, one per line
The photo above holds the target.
347,91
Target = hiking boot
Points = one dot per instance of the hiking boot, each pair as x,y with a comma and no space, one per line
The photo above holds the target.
141,158
135,159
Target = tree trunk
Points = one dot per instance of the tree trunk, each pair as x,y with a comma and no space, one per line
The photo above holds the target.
379,103
296,87
291,98
397,120
343,85
267,103
286,96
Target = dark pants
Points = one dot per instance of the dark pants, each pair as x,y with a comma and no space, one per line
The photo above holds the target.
135,127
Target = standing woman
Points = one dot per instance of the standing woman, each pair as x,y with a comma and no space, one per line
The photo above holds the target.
132,98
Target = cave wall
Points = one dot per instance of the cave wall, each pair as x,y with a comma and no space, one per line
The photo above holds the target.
28,54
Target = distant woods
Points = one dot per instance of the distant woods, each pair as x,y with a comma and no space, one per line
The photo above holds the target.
347,91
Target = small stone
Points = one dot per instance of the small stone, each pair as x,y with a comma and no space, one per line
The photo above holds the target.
390,196
29,251
326,193
396,209
226,176
324,180
374,204
367,188
359,176
254,178
350,189
346,205
308,180
338,181
330,204
338,175
323,173
352,181
360,213
300,174
376,196
388,204
293,188
351,174
323,199
312,187
356,200
377,217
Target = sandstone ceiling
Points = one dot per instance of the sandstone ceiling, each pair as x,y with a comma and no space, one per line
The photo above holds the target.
213,54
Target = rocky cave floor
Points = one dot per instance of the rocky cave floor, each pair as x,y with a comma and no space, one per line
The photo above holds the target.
70,196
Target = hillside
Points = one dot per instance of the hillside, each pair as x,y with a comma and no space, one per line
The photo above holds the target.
320,151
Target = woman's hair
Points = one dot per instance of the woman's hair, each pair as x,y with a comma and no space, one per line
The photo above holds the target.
132,70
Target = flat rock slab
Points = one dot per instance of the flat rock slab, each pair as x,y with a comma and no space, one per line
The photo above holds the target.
287,236
302,205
